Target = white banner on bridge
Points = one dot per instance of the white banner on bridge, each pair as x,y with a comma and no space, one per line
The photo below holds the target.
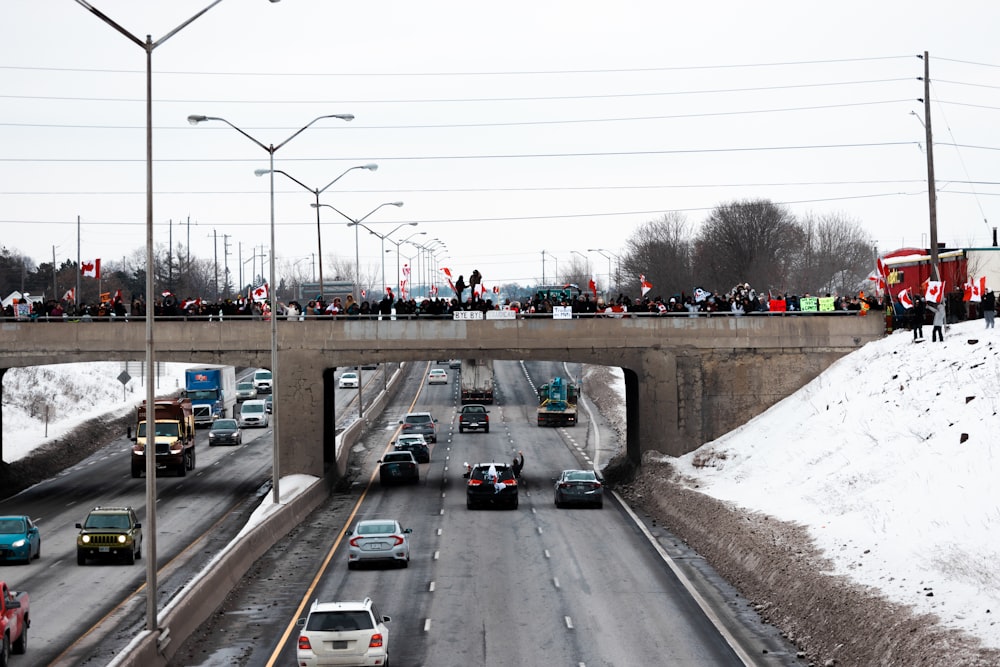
562,312
467,315
501,314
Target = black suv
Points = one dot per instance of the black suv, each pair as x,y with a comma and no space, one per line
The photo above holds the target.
491,484
109,532
474,417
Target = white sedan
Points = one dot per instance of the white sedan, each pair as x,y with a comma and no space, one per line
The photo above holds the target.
378,540
437,376
348,380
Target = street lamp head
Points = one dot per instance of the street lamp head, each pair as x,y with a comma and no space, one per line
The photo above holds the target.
397,203
261,172
371,166
194,119
343,116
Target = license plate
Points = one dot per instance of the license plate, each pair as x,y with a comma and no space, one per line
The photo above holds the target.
373,546
104,550
339,643
474,424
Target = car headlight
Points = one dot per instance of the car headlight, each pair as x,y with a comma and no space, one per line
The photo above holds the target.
85,539
19,543
122,539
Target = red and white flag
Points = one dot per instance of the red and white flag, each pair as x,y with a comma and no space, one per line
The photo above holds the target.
364,294
496,289
446,271
259,293
881,267
646,286
434,290
406,270
935,290
904,298
593,287
91,268
68,296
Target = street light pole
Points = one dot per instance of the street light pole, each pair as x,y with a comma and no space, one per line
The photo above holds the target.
609,255
317,191
355,223
148,45
272,288
398,244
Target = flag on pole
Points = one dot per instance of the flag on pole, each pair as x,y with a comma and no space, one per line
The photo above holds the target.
91,268
645,285
904,298
935,290
70,293
593,287
260,293
406,270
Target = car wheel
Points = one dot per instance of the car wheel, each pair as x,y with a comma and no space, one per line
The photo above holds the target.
138,553
405,563
600,504
461,430
468,504
4,651
513,505
38,554
486,430
20,646
80,559
130,558
351,565
136,472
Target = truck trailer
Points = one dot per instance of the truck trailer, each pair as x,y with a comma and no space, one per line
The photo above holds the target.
212,390
173,437
477,381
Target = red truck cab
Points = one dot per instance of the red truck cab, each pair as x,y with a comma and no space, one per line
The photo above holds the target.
14,622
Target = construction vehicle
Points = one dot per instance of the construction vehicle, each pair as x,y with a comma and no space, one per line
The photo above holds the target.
557,403
173,437
477,381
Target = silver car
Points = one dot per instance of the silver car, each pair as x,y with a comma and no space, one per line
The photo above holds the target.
374,540
582,487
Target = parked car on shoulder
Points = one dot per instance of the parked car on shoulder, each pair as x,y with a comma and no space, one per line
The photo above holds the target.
397,467
422,423
343,633
245,391
437,376
473,417
349,380
490,484
254,413
109,532
378,540
20,540
579,487
416,445
225,432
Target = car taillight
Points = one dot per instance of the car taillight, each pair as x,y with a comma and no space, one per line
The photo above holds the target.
354,541
396,540
304,643
376,641
475,482
563,485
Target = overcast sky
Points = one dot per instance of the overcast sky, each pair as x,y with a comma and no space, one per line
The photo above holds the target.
507,130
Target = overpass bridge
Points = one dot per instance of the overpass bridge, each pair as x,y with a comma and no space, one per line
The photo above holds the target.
688,380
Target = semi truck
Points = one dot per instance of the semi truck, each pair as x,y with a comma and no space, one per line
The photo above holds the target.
173,437
476,381
557,403
212,390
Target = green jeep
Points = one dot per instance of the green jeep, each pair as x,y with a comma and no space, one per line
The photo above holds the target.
109,532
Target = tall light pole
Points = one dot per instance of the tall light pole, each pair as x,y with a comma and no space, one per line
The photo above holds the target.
272,291
148,45
383,237
398,244
609,255
543,265
317,191
354,223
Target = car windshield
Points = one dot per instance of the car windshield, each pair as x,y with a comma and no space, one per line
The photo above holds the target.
483,473
252,407
580,476
12,526
245,386
262,375
163,429
418,419
339,621
473,408
396,457
100,521
224,425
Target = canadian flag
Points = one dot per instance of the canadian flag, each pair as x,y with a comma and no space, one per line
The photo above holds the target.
68,296
593,287
496,289
406,270
881,267
446,271
91,268
434,290
259,293
904,298
935,290
972,292
364,294
646,286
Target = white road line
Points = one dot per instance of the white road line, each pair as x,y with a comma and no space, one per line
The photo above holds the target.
569,622
427,625
547,554
555,582
439,531
430,589
437,554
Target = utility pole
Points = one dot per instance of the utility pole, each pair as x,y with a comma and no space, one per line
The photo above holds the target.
215,250
225,263
931,189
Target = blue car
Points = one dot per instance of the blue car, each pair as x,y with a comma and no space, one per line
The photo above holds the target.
19,539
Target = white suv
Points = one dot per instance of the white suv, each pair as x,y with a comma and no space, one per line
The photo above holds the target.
343,633
262,381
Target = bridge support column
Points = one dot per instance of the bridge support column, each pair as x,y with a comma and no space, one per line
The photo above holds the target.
302,411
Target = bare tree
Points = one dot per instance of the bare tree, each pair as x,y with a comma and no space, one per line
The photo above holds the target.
836,256
755,241
661,250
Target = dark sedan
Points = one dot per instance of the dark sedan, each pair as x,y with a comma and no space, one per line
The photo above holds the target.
397,467
579,487
225,432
